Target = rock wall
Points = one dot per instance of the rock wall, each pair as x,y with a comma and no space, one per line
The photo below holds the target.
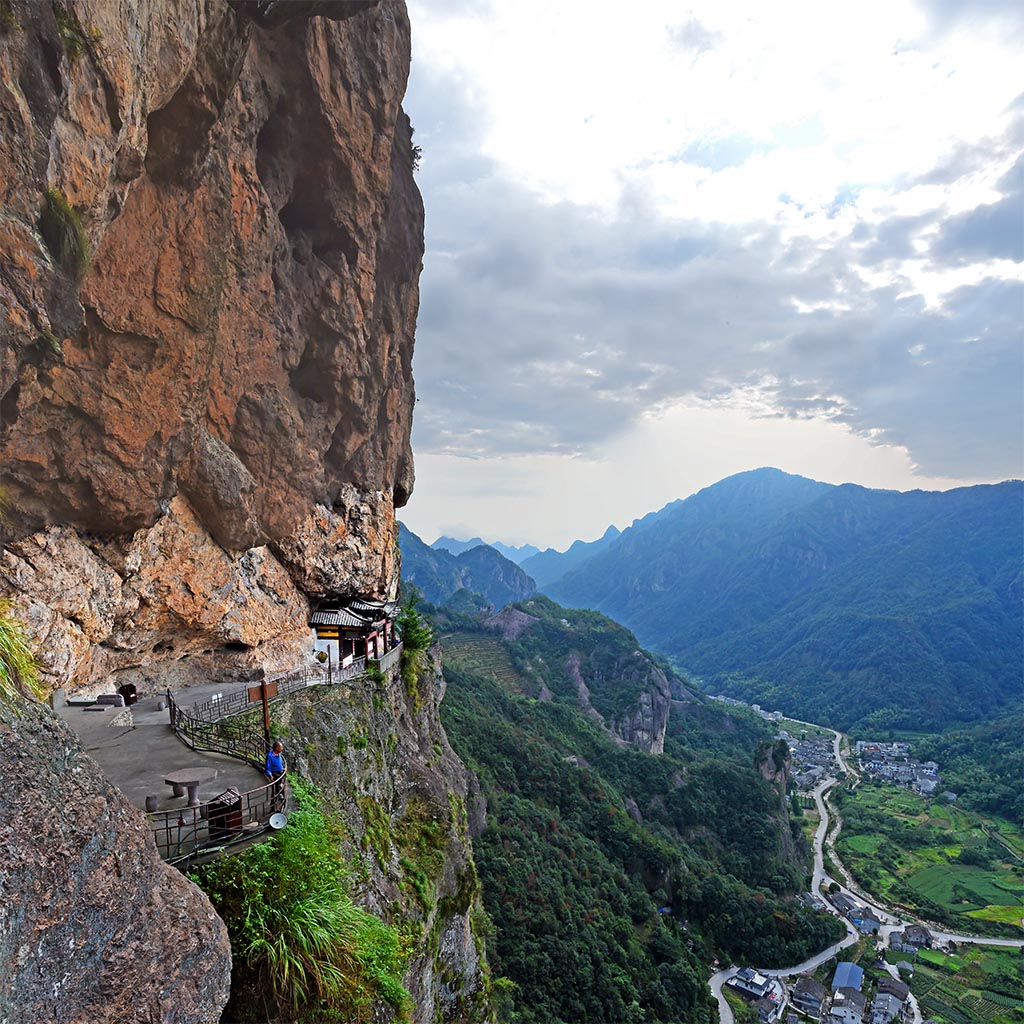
210,245
645,725
93,925
207,354
380,756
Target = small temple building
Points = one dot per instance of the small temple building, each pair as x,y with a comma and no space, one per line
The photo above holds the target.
349,628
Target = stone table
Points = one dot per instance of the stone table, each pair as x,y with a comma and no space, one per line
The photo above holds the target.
190,779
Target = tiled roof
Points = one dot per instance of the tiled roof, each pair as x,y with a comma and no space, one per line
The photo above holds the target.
336,617
847,976
355,613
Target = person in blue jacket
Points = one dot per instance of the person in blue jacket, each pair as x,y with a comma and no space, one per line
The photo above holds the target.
275,761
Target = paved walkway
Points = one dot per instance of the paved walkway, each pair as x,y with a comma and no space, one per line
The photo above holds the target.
136,758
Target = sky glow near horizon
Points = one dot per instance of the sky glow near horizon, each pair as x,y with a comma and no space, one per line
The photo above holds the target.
673,244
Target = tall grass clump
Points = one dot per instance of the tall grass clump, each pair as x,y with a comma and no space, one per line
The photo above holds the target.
19,676
62,231
295,933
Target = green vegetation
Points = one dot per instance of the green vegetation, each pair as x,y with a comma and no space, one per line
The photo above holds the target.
19,676
70,34
743,1010
417,636
936,859
981,983
804,731
562,646
62,231
983,765
295,933
598,916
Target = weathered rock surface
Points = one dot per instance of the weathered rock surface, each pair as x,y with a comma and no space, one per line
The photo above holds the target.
240,344
380,756
161,608
93,925
645,724
205,404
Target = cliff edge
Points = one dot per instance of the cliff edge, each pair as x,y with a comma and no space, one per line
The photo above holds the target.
210,248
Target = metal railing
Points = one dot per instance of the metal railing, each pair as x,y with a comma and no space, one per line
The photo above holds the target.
187,832
182,833
217,736
238,702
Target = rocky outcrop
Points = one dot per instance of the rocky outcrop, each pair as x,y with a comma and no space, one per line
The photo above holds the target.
93,925
210,246
380,757
510,622
644,724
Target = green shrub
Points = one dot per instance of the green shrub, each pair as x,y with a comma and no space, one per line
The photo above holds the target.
70,34
62,231
295,930
18,673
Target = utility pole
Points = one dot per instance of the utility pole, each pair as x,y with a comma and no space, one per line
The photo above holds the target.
266,710
265,693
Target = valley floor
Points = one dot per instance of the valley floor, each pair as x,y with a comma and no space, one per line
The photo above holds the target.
936,1003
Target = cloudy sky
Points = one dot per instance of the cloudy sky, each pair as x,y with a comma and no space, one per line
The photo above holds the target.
669,242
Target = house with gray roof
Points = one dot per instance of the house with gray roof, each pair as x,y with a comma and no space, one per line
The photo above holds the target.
809,996
848,1006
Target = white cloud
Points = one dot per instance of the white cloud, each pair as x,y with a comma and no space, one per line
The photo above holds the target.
798,212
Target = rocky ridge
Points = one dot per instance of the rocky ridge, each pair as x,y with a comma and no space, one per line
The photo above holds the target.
91,919
380,757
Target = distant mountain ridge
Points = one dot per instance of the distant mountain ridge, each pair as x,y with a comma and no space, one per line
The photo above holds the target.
456,547
477,569
512,553
843,603
549,565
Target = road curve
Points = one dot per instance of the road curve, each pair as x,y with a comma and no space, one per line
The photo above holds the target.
716,982
891,920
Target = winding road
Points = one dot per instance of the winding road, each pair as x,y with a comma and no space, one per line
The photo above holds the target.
890,919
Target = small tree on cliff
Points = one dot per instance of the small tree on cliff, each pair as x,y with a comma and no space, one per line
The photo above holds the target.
417,636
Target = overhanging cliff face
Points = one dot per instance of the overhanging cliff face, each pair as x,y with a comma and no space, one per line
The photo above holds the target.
210,424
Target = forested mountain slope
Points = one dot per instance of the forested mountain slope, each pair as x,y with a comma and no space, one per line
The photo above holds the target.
844,604
613,875
549,565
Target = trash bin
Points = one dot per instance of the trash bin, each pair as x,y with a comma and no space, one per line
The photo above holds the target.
224,813
130,693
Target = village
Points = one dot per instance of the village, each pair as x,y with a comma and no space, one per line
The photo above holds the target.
814,758
891,762
850,997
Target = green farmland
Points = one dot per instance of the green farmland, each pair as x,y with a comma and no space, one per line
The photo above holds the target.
977,985
947,864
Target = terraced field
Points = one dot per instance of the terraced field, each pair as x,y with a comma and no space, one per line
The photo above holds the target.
483,655
979,985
